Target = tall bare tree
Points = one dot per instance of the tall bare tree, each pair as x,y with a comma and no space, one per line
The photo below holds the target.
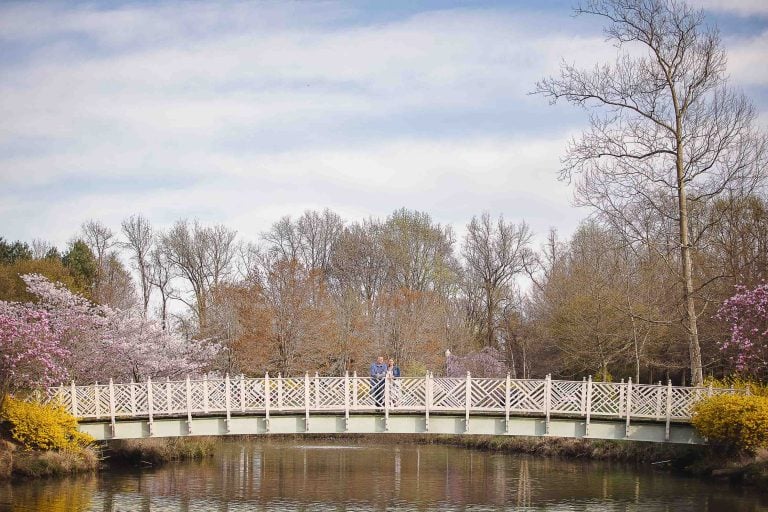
667,131
100,239
494,253
139,241
161,277
201,255
319,232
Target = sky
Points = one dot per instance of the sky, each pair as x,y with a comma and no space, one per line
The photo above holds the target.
243,112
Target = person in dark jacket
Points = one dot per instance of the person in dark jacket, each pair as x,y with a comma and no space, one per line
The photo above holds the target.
378,374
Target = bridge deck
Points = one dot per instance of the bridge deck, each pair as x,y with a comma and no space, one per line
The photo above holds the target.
358,404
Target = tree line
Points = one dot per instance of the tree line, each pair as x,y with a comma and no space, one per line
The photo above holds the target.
321,293
659,282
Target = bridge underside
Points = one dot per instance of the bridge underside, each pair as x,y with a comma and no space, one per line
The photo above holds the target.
399,424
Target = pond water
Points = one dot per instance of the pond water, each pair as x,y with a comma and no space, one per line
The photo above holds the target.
323,476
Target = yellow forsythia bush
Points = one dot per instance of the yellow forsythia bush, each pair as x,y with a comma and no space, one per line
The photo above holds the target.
734,422
43,426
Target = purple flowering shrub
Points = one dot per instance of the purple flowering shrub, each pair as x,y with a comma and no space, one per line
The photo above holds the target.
746,314
487,362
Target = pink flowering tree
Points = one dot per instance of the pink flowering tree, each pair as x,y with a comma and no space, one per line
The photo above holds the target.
31,353
746,314
106,343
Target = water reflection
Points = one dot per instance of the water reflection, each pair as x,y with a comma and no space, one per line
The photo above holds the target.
312,476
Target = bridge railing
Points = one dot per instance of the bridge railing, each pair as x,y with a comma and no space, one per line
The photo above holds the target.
353,394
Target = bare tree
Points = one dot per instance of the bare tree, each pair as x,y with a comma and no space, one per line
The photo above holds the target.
319,233
283,240
138,232
100,239
41,248
359,263
160,277
419,252
668,133
494,253
201,255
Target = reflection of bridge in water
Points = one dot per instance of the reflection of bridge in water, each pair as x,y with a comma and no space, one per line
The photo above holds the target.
351,404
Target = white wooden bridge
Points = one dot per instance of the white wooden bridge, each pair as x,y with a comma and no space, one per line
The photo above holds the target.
352,404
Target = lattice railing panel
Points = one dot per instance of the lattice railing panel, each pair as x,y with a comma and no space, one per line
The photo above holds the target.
647,401
253,395
606,399
293,394
409,394
488,394
60,395
527,396
123,400
448,394
567,397
217,395
328,393
86,401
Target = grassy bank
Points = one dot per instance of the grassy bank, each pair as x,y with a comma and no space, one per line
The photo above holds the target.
153,452
22,463
695,460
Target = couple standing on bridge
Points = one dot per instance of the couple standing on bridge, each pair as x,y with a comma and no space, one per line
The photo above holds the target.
380,372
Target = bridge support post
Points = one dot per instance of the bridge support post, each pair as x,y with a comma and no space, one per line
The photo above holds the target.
346,401
97,399
669,409
267,400
133,398
588,408
205,394
507,391
354,389
659,390
227,400
427,399
387,398
547,401
168,402
306,402
74,399
112,406
621,399
189,406
629,405
150,407
242,393
467,402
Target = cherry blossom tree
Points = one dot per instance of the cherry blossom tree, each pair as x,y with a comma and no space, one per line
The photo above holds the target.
746,313
31,353
105,343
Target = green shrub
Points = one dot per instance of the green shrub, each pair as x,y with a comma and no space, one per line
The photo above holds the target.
735,423
43,426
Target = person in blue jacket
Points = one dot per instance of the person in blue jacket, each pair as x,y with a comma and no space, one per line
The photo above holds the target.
378,374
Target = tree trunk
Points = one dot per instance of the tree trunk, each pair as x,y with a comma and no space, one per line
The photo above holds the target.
697,376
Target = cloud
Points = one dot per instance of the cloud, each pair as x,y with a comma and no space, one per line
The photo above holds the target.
739,7
747,59
242,112
452,181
